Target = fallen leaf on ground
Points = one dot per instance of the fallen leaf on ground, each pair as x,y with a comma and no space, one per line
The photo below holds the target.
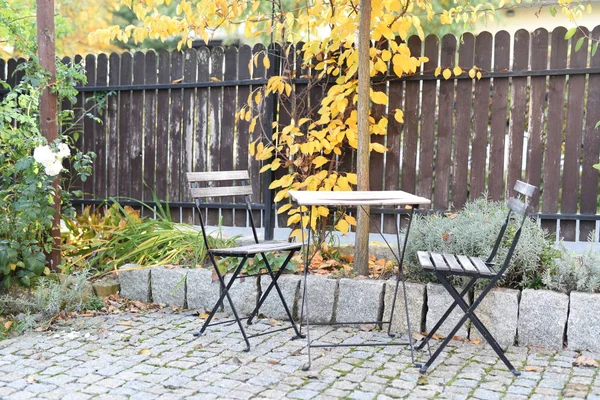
86,314
199,346
8,324
366,327
144,352
203,316
274,322
422,380
125,323
531,368
273,362
583,361
476,341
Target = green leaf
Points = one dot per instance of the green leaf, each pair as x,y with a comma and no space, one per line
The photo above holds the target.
597,166
553,11
595,48
26,281
579,43
597,125
570,33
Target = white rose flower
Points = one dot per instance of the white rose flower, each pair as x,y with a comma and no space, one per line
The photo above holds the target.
63,150
54,168
44,155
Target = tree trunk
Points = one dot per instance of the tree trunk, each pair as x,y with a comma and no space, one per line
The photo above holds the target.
361,243
49,107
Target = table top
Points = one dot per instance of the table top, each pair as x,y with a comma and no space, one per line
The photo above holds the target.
357,198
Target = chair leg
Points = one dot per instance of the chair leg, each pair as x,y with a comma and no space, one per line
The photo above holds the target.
274,278
433,330
470,314
225,293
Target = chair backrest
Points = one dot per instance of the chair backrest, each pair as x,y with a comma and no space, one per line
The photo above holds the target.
221,184
516,206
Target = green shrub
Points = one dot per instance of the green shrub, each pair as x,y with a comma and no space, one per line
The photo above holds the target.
473,231
570,272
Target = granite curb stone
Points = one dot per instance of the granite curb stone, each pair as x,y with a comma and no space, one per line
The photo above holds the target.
168,286
202,290
438,301
583,328
542,318
359,300
499,312
243,293
415,294
272,306
321,297
134,282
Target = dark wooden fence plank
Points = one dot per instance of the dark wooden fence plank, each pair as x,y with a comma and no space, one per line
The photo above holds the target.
242,155
162,127
483,60
175,124
518,111
190,70
112,147
125,123
427,143
76,127
591,145
572,141
201,115
445,127
228,125
411,123
99,174
217,58
150,127
2,69
556,99
11,65
499,116
462,128
539,60
88,123
258,72
136,127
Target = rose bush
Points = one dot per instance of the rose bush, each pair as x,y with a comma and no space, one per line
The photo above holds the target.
28,165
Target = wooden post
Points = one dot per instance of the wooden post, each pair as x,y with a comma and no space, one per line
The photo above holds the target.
361,243
49,106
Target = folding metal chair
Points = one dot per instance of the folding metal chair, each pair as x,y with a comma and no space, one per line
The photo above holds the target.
444,265
199,188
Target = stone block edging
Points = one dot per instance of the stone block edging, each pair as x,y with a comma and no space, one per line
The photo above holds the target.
528,317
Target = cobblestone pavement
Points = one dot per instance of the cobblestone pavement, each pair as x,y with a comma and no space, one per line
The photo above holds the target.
148,356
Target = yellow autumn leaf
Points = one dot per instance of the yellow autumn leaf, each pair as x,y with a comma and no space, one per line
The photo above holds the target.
472,73
293,219
378,147
320,161
479,75
252,124
266,62
457,71
296,233
352,178
350,219
379,97
284,208
282,194
438,71
447,73
399,115
342,226
265,168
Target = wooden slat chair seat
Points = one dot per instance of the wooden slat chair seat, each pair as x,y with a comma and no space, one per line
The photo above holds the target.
454,264
444,265
203,185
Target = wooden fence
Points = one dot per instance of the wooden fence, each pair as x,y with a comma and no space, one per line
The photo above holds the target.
530,117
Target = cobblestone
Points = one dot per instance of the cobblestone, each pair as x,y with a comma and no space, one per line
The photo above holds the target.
105,363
